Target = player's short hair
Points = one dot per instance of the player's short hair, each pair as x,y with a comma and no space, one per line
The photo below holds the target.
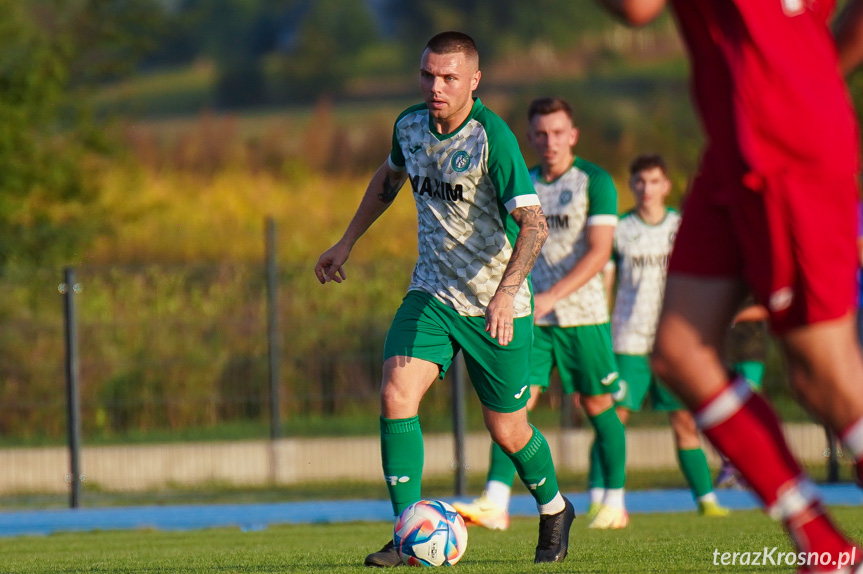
545,106
452,42
648,161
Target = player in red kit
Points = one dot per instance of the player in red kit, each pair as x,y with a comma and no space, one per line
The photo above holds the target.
772,209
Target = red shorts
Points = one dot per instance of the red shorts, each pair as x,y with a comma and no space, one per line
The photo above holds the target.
791,237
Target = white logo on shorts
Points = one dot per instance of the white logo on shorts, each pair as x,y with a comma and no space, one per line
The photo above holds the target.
781,299
793,7
621,392
521,392
609,378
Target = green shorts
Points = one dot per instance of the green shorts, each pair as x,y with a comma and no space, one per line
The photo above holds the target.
636,380
425,328
583,357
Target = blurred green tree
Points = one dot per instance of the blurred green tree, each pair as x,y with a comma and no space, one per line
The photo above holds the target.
50,50
302,46
324,49
500,26
235,34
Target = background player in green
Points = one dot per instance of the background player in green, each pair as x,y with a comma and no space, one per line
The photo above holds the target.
480,229
572,325
642,245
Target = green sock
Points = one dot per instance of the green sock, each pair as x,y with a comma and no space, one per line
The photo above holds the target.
595,474
536,469
501,467
611,443
693,463
402,456
752,371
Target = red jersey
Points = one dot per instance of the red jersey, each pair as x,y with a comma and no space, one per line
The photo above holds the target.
767,85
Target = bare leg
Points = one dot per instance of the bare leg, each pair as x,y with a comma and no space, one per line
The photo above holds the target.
509,430
405,381
687,351
684,429
530,454
596,404
491,510
826,370
623,414
738,422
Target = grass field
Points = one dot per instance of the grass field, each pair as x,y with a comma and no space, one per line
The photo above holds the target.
677,542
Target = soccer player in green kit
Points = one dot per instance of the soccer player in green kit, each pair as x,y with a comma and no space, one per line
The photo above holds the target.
480,229
572,329
642,245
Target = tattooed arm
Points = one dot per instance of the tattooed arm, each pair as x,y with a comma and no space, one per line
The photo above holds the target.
379,195
533,231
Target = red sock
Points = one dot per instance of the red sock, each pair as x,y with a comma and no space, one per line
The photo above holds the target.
813,531
743,427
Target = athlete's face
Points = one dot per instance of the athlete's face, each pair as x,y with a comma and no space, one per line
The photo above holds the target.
650,187
447,82
553,136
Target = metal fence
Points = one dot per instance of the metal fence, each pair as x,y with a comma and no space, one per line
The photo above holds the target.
238,373
189,372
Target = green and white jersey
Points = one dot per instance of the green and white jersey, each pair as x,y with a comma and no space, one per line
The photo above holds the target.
585,195
465,185
641,253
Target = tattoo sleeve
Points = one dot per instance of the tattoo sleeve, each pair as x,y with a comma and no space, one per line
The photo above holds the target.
389,189
533,231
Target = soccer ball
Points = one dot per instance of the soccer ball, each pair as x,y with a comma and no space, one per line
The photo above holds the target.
430,533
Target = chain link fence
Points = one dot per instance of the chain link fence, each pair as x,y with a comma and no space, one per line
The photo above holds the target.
173,371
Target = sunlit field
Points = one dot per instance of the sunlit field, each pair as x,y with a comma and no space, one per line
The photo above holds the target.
678,542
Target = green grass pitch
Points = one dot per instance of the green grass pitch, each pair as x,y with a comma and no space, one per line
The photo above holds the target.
678,542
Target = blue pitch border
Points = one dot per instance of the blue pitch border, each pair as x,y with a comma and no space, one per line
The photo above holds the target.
259,516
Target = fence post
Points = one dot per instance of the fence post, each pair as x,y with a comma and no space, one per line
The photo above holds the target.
273,329
459,417
566,411
73,408
832,457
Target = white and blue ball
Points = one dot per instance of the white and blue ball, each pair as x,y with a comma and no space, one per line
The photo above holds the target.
430,533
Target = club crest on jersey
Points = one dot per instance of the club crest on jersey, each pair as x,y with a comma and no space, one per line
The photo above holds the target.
460,161
565,197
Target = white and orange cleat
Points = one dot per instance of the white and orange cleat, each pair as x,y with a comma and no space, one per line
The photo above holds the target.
609,518
483,512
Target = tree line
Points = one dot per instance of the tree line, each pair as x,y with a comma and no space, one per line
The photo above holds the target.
292,50
55,53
